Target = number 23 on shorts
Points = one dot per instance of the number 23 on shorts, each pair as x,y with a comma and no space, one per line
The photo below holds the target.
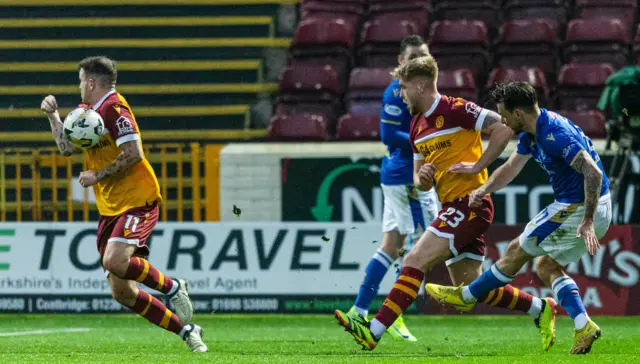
452,217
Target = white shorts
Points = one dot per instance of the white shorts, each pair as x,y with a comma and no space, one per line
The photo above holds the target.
407,209
553,231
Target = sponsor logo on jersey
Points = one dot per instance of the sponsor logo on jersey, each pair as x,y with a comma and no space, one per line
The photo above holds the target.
472,216
392,110
567,150
427,149
442,224
473,109
116,107
439,121
124,126
396,93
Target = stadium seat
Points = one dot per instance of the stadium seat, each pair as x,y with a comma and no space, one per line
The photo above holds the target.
313,88
324,42
624,10
580,85
528,43
368,83
397,11
358,127
458,83
298,127
533,76
460,44
350,12
364,107
381,42
592,122
486,11
555,11
597,40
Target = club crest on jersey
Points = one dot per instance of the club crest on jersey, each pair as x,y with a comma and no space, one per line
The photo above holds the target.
124,125
439,121
473,109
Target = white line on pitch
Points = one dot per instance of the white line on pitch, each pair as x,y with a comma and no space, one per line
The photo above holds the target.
41,332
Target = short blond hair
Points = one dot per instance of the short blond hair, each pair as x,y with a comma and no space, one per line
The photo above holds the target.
418,67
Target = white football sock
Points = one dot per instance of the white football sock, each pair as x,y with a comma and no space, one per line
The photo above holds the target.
467,296
174,288
377,328
361,311
536,308
581,321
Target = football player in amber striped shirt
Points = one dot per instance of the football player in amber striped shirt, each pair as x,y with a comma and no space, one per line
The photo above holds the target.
127,194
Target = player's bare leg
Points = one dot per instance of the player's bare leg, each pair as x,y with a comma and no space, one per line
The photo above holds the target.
126,293
428,251
119,260
566,292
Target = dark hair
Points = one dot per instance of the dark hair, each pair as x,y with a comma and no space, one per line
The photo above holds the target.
411,41
515,95
102,68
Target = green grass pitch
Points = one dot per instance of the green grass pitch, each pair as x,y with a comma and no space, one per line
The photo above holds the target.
126,338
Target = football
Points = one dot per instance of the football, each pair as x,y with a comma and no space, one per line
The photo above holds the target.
83,127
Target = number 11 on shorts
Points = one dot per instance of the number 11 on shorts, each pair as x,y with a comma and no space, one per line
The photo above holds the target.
135,220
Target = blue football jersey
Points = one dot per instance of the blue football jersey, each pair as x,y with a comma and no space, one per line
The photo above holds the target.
395,122
556,144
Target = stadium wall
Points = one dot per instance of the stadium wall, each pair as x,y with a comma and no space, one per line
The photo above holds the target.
270,267
340,182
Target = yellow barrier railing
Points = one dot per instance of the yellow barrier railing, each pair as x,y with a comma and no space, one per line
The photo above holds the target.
41,185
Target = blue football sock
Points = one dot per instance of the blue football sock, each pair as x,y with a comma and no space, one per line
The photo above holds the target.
566,291
374,273
491,279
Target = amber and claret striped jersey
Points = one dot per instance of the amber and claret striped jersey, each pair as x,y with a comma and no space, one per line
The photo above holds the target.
449,133
136,187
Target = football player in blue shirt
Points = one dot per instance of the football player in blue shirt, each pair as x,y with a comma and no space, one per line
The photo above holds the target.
566,229
407,211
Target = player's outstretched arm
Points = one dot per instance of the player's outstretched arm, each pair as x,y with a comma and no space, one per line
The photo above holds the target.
506,172
583,163
50,107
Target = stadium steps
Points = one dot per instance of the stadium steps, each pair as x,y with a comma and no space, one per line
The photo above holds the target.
200,62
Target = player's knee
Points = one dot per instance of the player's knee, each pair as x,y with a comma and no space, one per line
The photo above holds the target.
547,269
125,295
115,263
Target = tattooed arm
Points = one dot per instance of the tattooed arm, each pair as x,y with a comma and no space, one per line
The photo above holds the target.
50,107
583,163
499,135
131,154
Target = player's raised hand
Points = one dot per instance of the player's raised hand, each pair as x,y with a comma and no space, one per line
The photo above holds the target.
475,198
588,232
49,105
425,175
88,178
464,167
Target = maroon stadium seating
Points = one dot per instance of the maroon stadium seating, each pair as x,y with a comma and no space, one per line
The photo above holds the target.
460,44
487,11
298,127
358,127
592,122
555,11
458,83
597,40
310,89
368,83
381,42
624,10
397,10
419,19
528,43
324,42
580,85
533,76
